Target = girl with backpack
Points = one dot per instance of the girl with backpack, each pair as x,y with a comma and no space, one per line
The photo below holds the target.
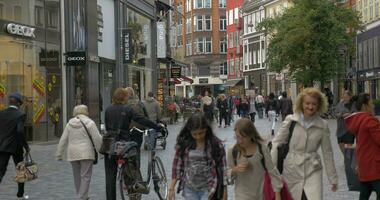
199,164
248,161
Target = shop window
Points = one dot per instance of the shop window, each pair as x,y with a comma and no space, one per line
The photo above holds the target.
222,23
208,44
208,23
17,14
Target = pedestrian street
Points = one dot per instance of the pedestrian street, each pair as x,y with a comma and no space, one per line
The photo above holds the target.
56,182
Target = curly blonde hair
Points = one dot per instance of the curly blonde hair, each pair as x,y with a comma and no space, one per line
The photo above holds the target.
315,93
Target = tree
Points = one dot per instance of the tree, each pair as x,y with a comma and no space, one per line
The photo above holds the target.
308,40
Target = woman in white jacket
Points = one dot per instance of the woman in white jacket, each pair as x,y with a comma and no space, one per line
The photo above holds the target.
80,151
303,166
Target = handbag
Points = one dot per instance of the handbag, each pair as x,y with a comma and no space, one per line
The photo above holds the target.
350,164
92,142
268,191
108,139
26,170
283,149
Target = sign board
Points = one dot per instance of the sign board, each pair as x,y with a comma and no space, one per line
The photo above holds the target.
17,29
279,77
76,58
161,40
160,92
126,45
203,81
100,24
175,72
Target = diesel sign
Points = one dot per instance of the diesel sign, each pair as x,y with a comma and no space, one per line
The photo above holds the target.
76,58
16,29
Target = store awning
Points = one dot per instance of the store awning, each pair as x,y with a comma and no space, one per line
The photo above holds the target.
233,82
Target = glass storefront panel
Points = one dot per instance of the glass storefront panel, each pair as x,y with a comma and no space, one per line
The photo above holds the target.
140,69
23,68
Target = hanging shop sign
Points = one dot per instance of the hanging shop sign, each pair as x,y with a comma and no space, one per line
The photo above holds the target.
38,85
126,47
160,92
39,112
161,40
21,30
76,58
175,72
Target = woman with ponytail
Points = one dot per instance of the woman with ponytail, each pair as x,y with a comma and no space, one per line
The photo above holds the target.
248,161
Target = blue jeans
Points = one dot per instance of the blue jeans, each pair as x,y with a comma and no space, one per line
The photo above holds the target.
152,138
190,194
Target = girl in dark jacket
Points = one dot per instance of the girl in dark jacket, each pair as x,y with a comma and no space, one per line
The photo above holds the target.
119,116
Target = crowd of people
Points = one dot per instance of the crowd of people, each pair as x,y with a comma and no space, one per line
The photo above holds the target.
201,167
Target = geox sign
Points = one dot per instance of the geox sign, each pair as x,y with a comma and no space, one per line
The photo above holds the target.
16,29
75,58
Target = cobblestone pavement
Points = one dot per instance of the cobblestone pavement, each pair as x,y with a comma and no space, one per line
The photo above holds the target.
55,180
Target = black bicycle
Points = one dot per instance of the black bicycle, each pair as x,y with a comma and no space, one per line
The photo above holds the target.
155,172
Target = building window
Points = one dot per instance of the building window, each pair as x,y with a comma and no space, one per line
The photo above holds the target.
200,47
1,11
17,13
230,17
222,23
188,48
230,40
222,3
208,23
52,18
223,46
39,16
223,69
208,44
376,52
179,28
179,41
188,5
231,67
173,37
179,9
237,36
207,3
376,8
198,3
204,70
188,25
198,23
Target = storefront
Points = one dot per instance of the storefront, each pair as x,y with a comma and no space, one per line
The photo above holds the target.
139,70
30,63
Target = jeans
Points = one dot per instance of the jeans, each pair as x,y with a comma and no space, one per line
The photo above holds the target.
190,194
366,188
4,159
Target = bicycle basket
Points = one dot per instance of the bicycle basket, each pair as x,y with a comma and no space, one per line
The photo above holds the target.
124,149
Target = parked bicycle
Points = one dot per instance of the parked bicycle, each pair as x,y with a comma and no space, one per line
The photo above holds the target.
129,184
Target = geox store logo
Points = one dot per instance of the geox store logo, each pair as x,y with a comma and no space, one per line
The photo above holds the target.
76,58
16,29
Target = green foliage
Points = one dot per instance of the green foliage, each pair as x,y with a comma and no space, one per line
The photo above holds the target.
307,40
376,102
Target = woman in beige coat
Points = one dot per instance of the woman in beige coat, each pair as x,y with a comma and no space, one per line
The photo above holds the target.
303,166
80,152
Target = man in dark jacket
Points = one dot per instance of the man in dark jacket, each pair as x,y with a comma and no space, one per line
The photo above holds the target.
12,139
286,106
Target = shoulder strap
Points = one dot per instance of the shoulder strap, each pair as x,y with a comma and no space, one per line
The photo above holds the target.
234,155
89,136
261,152
291,129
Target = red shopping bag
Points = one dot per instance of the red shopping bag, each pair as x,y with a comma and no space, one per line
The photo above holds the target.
268,190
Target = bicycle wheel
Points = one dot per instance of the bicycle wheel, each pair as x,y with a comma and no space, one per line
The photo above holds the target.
121,182
159,179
